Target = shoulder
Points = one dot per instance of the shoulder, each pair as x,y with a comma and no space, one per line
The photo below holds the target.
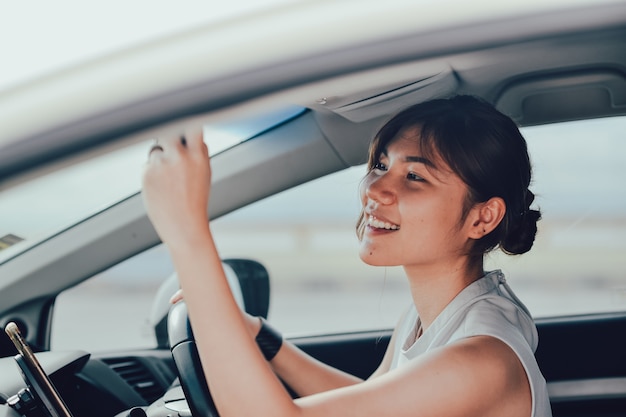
483,369
482,355
479,375
501,318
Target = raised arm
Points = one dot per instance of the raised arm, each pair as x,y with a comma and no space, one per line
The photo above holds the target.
176,191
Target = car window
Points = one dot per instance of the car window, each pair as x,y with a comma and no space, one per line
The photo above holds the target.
306,239
81,190
112,309
577,263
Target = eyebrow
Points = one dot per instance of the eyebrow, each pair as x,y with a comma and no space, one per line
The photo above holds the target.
411,158
420,160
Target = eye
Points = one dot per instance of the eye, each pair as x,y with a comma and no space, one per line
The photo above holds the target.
379,167
412,176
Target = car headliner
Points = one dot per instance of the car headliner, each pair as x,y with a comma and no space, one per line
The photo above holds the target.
351,72
223,65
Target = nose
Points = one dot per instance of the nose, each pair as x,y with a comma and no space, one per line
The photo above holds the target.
378,189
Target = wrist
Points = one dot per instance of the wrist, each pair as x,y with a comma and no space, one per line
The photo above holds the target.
269,340
194,244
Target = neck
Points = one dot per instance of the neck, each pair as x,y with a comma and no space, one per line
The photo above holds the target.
433,287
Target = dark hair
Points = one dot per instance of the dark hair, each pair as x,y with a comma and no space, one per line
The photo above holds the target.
486,150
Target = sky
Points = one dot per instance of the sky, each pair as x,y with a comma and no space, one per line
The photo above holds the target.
37,37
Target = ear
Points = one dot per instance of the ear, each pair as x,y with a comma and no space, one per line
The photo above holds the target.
485,217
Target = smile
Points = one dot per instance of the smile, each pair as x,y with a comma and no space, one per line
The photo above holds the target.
379,224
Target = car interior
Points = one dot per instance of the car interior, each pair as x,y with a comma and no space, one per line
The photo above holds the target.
556,66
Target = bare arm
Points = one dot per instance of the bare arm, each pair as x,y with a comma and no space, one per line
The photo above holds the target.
176,184
304,374
176,191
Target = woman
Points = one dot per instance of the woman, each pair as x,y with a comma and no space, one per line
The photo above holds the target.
447,182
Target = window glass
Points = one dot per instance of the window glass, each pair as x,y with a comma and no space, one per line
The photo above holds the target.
577,263
306,239
112,309
81,190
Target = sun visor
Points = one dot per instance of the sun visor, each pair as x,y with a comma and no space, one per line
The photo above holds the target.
390,99
564,97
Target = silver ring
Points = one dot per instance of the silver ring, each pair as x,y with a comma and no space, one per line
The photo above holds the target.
155,147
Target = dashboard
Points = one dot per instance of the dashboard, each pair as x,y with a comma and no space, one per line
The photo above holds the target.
100,386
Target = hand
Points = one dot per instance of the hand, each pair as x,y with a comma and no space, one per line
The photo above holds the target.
176,183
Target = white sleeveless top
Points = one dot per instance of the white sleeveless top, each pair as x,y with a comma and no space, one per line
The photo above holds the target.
487,307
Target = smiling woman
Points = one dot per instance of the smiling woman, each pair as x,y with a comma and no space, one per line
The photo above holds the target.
550,66
448,212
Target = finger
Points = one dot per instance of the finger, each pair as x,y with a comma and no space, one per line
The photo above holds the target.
178,295
171,144
195,141
156,148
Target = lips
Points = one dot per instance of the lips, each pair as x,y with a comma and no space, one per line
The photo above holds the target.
377,223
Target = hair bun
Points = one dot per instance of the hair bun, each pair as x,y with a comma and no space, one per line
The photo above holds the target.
521,237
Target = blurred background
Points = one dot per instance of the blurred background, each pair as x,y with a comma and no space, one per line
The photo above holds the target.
305,237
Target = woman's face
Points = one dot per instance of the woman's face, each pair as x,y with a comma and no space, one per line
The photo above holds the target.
413,209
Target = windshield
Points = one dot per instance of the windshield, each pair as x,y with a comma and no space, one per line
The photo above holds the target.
39,209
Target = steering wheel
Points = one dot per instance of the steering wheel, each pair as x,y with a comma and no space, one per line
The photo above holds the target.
37,380
187,360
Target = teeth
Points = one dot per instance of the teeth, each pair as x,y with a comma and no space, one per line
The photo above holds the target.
378,224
